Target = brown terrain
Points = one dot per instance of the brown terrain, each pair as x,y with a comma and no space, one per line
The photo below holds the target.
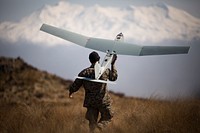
34,101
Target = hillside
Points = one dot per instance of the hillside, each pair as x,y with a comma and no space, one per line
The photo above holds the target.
35,101
22,83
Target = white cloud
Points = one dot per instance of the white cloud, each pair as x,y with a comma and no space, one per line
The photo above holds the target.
151,24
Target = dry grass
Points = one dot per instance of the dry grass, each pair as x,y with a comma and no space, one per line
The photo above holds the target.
41,118
33,101
150,116
131,115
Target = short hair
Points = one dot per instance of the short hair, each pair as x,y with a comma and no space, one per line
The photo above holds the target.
94,57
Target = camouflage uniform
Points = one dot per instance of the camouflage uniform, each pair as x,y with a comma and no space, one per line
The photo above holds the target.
97,99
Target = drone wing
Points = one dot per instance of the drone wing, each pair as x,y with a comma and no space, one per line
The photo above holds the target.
117,46
96,80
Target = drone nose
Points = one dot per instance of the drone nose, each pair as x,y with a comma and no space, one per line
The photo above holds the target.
120,37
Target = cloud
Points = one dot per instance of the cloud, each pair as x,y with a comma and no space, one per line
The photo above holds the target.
143,25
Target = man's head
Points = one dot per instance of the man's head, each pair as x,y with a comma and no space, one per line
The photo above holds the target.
94,57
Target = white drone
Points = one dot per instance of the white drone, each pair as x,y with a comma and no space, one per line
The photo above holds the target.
111,47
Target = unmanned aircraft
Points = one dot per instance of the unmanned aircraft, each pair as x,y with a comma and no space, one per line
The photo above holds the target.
111,47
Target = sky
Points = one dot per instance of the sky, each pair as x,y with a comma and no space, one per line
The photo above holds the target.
145,22
15,10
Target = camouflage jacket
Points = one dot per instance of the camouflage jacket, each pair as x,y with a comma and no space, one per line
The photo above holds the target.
96,94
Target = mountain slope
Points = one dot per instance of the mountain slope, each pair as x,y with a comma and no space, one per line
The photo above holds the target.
22,83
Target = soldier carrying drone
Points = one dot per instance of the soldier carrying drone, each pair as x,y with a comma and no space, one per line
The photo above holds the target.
94,79
97,99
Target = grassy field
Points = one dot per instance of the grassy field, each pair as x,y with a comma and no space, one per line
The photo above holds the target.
34,101
131,116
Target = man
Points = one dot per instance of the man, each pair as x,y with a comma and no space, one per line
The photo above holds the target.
97,99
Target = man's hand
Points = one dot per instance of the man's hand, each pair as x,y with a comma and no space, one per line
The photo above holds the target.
70,95
114,59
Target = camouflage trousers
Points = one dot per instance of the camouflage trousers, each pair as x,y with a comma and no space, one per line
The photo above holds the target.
92,115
